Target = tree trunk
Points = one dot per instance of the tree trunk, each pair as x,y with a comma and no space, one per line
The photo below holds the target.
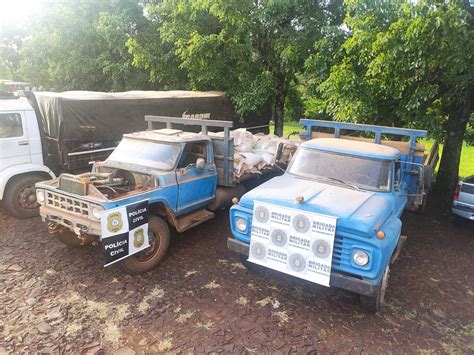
279,103
449,167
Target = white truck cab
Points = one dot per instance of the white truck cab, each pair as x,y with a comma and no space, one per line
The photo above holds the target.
21,158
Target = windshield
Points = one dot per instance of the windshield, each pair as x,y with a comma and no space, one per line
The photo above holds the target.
161,156
350,170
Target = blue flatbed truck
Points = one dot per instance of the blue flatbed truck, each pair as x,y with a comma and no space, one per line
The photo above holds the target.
333,217
165,177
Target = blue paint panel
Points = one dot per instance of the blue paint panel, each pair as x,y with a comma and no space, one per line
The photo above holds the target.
196,188
166,195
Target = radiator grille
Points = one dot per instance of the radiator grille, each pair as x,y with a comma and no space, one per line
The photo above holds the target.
66,203
341,255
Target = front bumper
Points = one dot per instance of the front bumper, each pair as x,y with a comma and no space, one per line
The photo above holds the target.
337,279
75,223
463,211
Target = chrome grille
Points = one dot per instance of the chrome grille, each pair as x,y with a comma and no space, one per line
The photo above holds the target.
66,203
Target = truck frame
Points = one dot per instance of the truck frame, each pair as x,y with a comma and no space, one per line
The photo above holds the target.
367,235
183,193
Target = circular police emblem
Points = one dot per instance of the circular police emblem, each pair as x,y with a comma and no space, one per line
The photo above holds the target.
138,238
258,250
321,248
297,262
279,238
261,214
301,223
114,222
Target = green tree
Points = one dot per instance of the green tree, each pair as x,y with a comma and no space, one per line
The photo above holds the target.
406,63
11,40
250,49
81,45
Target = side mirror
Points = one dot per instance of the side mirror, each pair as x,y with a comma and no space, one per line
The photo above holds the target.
200,163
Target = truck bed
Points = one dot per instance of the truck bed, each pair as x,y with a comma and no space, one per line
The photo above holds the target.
282,156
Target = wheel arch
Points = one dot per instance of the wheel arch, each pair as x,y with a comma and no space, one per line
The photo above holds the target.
11,174
161,209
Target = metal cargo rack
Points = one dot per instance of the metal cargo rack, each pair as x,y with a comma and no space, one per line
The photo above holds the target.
378,131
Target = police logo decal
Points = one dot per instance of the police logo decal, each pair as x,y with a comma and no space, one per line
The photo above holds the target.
138,238
114,222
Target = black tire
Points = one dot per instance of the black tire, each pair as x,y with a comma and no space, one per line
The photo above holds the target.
374,303
20,196
69,238
159,236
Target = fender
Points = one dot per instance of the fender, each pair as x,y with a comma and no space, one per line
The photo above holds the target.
14,170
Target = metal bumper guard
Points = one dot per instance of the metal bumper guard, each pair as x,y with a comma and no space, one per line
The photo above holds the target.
71,221
337,280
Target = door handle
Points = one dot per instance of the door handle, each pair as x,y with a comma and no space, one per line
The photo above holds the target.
23,143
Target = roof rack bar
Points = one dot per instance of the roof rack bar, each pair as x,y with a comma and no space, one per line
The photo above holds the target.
188,121
378,130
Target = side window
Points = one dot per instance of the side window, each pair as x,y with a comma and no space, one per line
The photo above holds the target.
192,151
10,125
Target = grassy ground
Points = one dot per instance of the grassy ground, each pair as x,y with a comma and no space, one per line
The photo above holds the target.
466,167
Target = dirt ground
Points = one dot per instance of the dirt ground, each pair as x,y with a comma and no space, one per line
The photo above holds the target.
201,299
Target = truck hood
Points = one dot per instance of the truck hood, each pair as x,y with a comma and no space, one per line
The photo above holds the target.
362,211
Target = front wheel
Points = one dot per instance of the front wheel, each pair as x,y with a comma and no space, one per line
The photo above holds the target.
20,196
374,303
159,238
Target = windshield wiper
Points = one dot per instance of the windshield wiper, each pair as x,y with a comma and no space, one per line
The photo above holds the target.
355,187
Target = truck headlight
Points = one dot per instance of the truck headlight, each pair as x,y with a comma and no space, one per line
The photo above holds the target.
40,196
360,258
96,210
241,224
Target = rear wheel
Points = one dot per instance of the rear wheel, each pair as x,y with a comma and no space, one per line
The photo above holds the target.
20,196
374,303
159,238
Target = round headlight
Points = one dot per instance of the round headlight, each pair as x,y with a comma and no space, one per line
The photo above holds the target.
241,224
40,196
360,258
96,210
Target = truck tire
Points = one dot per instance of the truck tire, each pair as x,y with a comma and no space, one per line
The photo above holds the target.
68,238
20,196
374,303
159,237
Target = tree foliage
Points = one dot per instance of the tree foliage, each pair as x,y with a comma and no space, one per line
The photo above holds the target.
399,62
80,45
403,63
252,50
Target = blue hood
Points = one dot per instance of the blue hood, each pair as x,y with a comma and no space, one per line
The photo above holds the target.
356,210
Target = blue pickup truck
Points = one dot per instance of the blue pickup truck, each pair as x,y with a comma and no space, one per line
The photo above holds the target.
152,180
333,218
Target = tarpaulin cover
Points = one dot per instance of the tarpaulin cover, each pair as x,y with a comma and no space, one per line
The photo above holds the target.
97,116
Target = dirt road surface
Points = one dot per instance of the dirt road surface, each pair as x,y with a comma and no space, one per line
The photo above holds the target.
201,299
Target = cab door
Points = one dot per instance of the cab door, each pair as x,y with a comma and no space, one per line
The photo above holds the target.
196,184
14,143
